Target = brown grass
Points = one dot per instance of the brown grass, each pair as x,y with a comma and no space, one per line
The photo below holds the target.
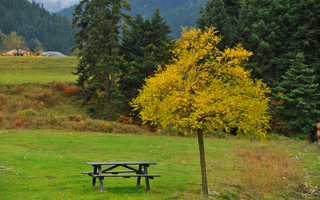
125,120
21,122
68,90
3,99
47,97
60,86
266,172
71,91
76,118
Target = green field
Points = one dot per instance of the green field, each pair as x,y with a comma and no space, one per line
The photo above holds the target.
44,164
15,69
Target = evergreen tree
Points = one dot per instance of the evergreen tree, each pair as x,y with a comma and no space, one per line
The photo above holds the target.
304,24
223,15
160,42
264,30
299,97
135,65
145,46
99,23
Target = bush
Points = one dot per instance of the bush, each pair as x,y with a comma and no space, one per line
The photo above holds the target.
21,122
76,118
124,119
68,90
60,86
3,99
71,91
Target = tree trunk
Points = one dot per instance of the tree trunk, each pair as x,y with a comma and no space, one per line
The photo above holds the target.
202,163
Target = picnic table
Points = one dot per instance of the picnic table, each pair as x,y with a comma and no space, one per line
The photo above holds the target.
132,169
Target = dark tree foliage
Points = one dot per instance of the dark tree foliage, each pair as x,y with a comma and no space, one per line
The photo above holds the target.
36,25
223,15
145,45
97,42
299,96
263,29
304,23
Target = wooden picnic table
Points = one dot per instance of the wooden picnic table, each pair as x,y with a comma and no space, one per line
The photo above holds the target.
139,168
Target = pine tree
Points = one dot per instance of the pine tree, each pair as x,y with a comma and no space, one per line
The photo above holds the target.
223,15
299,97
134,63
304,24
97,41
264,30
160,42
145,46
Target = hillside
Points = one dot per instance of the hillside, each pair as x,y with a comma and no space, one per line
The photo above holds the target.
35,24
177,13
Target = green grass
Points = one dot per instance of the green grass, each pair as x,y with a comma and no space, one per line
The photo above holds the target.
45,164
15,69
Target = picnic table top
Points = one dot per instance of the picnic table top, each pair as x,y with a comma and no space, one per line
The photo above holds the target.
122,163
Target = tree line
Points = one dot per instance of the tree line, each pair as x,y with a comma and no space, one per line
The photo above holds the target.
283,36
37,26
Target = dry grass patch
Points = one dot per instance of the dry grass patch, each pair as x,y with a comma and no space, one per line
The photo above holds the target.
267,172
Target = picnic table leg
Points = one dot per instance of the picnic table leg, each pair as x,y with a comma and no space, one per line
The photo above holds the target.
145,171
93,178
100,178
139,178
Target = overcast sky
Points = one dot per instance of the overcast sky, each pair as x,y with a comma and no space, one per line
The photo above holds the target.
56,5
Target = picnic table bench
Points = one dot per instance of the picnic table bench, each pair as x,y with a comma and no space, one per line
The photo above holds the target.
141,171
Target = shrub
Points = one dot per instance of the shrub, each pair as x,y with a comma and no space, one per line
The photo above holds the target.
125,120
68,90
60,86
71,91
21,122
3,99
76,118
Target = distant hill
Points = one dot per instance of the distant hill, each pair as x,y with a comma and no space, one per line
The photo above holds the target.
34,23
176,12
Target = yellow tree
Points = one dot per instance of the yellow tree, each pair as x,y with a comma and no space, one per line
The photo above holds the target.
205,87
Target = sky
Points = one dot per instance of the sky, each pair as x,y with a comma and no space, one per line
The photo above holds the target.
55,5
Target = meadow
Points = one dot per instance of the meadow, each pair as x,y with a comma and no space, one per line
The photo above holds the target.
20,69
47,164
45,138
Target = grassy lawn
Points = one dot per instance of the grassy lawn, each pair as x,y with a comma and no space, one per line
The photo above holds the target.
15,69
45,164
